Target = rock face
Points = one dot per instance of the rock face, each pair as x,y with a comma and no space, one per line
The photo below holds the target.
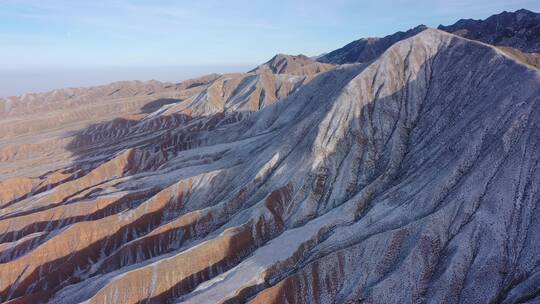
412,178
519,30
367,49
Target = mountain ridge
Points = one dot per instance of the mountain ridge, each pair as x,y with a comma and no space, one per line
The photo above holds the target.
367,49
519,30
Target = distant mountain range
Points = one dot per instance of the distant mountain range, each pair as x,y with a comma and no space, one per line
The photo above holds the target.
402,169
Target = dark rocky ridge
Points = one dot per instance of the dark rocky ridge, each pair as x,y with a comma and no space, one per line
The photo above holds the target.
519,30
367,49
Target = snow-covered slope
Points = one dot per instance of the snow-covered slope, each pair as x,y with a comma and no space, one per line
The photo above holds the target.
413,178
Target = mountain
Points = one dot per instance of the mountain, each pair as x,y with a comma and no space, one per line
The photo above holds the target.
519,30
367,49
515,33
411,177
294,65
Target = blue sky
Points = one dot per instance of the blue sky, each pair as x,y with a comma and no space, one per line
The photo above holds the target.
80,34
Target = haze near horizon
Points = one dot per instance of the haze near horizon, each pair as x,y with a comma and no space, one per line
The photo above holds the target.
60,43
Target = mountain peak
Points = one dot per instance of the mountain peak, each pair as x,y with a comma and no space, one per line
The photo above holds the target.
367,49
525,11
292,64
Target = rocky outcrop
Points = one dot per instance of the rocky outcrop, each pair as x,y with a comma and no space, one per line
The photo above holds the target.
411,178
